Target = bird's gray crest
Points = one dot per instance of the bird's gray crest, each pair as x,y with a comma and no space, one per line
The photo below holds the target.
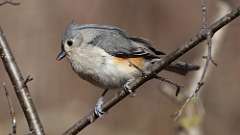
73,28
70,30
104,27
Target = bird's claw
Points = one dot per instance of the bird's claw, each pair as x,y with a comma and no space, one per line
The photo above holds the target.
128,90
98,110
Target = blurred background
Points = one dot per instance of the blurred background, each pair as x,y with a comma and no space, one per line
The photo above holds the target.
34,30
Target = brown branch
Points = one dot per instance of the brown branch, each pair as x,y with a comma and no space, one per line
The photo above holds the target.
11,111
208,58
192,112
168,59
13,3
178,87
20,87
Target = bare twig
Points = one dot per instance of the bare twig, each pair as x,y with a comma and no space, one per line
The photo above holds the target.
190,122
11,2
11,110
208,58
204,29
20,87
28,79
87,120
178,87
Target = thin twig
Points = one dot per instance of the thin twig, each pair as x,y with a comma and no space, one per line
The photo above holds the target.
10,2
11,111
201,36
28,79
178,87
20,87
190,122
208,58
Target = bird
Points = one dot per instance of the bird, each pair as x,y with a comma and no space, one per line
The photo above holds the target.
107,57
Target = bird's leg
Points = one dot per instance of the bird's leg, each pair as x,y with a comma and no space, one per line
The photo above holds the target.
178,87
127,89
98,108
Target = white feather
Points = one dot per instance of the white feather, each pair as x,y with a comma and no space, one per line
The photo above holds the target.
98,67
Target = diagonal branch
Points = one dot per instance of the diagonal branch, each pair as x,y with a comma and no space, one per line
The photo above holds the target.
168,59
20,87
13,3
11,111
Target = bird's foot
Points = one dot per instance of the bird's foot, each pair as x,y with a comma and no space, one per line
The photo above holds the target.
98,110
128,90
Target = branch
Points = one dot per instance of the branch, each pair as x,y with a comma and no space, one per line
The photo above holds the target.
192,115
20,87
168,59
208,58
11,111
13,3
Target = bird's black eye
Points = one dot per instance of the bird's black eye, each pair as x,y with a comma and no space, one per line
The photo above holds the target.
69,42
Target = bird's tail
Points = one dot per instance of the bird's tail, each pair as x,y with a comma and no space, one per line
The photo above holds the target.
182,68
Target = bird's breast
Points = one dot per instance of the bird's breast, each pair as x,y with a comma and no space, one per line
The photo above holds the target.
104,70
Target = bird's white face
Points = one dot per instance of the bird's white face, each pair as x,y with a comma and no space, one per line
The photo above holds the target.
69,44
72,43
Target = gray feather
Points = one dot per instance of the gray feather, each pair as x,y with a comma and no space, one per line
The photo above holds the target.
117,43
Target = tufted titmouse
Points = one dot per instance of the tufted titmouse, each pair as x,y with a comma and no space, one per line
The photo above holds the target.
108,58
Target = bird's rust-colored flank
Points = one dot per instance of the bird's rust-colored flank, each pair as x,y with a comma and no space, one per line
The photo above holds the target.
127,63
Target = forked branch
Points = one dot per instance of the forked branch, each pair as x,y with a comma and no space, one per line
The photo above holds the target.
20,87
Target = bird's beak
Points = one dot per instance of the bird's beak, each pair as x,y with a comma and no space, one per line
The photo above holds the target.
61,55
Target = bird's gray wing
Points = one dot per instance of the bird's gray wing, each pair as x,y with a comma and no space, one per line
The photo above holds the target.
122,46
147,44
